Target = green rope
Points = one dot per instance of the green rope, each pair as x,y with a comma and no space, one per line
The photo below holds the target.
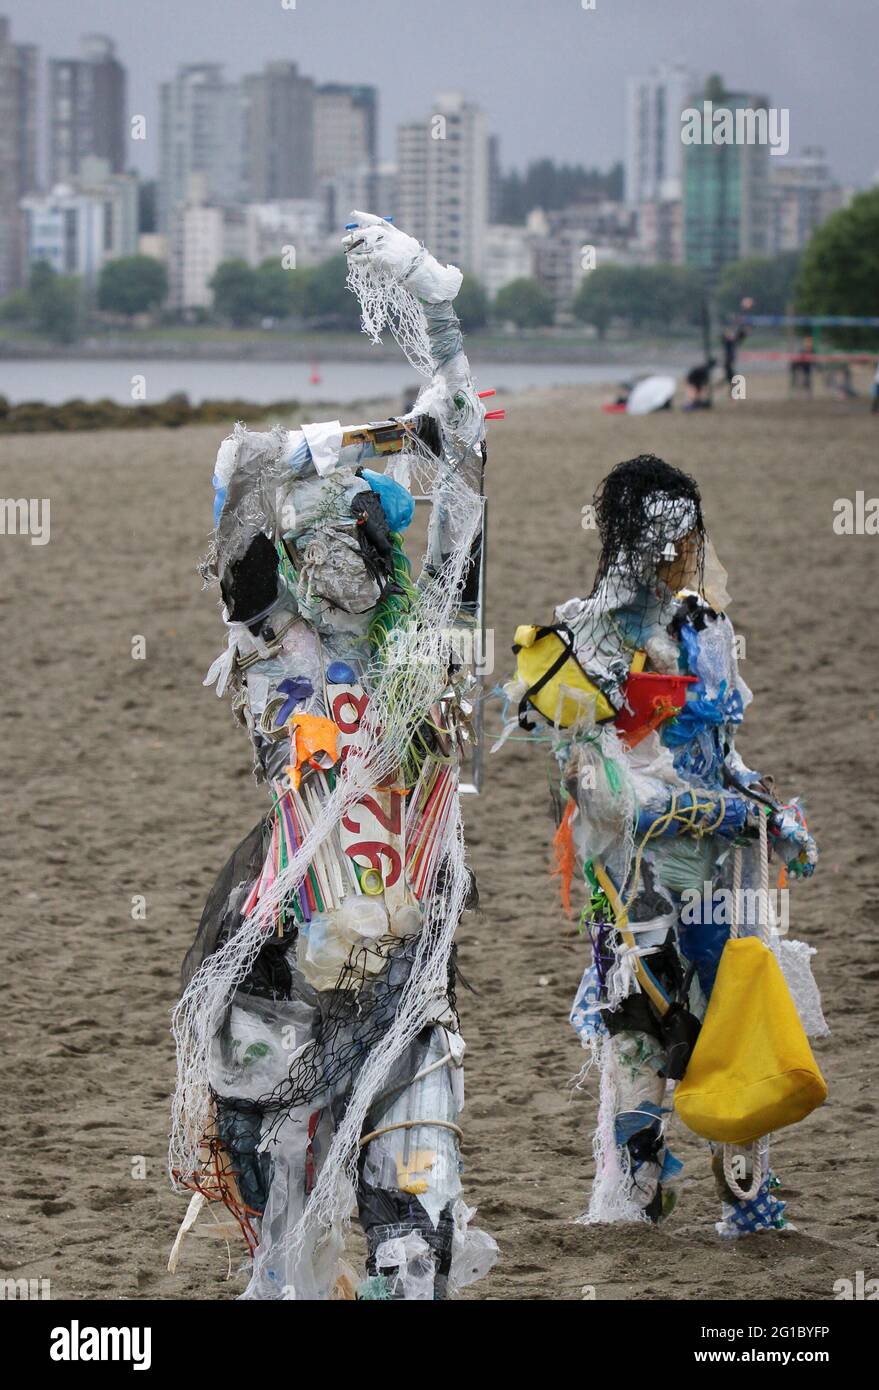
394,606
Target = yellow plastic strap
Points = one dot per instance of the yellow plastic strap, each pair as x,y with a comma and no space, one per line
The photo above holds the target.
622,926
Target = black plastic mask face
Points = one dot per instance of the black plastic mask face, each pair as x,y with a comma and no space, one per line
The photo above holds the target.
250,584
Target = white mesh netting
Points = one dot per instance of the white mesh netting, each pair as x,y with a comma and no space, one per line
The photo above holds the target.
385,303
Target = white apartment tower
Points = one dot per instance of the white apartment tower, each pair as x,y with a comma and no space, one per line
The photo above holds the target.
201,139
443,181
345,128
654,151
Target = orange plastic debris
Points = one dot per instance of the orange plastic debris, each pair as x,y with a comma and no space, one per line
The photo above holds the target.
563,844
311,735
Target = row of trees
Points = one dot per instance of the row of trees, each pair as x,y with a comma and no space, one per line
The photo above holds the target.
838,274
56,306
548,185
243,295
642,296
651,296
645,296
50,305
317,295
840,270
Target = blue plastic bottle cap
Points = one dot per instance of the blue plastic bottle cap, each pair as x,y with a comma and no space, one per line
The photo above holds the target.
340,673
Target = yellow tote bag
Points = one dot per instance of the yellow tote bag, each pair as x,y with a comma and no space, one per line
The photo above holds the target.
752,1069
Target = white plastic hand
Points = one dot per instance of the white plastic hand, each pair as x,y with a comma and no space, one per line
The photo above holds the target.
382,244
379,243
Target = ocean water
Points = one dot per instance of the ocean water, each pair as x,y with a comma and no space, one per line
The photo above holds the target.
54,380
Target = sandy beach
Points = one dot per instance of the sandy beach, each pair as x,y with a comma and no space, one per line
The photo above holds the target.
126,779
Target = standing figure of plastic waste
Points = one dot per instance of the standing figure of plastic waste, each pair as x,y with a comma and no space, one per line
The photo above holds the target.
639,695
319,1053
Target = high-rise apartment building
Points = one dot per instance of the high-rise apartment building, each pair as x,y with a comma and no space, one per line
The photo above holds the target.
345,128
443,181
18,149
87,110
278,134
654,153
201,139
802,194
726,187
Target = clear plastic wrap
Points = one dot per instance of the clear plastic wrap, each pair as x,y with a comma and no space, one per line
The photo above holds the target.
795,959
251,1052
474,1252
410,1262
283,1269
421,1159
325,943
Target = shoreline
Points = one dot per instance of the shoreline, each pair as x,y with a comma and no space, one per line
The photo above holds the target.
349,348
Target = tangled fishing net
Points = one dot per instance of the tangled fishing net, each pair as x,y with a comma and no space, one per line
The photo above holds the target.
386,303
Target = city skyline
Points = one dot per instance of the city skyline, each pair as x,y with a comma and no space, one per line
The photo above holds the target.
799,52
280,153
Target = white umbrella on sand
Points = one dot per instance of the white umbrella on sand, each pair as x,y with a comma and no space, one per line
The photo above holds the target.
650,394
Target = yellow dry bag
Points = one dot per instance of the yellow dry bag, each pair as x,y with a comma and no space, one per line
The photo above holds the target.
752,1069
557,686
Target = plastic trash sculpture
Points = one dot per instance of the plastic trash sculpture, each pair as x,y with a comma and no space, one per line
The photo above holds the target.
319,1052
637,690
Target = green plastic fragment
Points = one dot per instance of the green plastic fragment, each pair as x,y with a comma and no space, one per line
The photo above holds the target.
375,1287
613,777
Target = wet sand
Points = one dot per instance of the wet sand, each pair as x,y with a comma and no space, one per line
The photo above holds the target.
125,777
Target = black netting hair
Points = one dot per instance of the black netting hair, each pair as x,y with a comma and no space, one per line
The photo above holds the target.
638,509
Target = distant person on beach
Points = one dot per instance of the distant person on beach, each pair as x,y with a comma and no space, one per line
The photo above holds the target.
839,381
801,367
731,339
698,382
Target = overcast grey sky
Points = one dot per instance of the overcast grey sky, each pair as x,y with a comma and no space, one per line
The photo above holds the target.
549,73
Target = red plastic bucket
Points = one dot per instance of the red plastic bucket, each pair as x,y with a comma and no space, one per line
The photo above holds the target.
651,697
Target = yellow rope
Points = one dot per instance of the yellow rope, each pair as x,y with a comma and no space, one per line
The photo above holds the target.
686,816
622,926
